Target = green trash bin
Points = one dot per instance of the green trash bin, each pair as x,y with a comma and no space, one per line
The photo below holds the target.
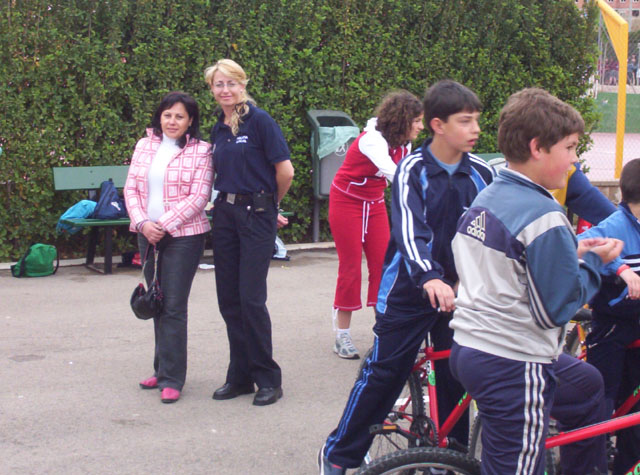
332,132
496,160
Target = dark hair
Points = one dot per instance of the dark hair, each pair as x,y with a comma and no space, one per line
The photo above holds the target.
630,182
534,113
189,104
396,113
446,98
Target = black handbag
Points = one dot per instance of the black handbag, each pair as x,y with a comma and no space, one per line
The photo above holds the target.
147,303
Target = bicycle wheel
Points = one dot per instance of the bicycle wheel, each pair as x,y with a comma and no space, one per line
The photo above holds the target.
421,460
408,413
551,457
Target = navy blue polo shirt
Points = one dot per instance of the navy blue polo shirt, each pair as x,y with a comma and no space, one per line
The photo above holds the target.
244,163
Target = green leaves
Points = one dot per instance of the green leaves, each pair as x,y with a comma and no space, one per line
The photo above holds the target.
79,80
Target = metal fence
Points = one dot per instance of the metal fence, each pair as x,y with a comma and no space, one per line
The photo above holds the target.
600,159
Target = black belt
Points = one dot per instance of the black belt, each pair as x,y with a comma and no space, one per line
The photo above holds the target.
236,198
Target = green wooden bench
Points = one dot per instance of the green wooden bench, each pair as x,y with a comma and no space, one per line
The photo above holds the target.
90,178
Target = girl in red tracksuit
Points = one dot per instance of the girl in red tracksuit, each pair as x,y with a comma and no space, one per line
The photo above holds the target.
357,210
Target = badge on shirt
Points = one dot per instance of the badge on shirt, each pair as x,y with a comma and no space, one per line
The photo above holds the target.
242,139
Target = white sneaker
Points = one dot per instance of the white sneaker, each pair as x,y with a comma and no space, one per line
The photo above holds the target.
344,347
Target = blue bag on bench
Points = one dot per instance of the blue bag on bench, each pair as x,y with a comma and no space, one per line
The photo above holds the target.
82,209
110,205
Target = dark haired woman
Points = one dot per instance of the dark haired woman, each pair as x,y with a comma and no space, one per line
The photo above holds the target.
357,210
167,188
253,173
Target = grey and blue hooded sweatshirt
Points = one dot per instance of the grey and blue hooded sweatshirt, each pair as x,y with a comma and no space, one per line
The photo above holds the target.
520,278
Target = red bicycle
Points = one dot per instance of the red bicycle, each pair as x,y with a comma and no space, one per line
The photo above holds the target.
412,440
564,438
414,420
575,346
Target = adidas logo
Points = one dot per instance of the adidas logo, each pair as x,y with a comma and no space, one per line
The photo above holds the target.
477,226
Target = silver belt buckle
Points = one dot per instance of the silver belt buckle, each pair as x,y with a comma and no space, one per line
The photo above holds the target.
231,198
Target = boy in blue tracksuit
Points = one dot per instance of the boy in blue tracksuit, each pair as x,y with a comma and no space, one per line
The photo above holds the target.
431,189
616,312
522,277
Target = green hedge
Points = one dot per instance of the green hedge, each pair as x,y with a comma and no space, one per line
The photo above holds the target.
79,79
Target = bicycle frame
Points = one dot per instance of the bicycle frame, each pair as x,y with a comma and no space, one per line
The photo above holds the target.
582,336
426,362
612,425
635,470
426,367
628,403
618,422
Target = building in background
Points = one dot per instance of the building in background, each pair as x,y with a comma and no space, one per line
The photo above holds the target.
628,9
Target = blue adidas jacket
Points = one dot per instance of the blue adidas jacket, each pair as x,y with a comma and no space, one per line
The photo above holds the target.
425,207
611,299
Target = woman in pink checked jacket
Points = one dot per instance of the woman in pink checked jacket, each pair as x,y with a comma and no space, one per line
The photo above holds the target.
167,188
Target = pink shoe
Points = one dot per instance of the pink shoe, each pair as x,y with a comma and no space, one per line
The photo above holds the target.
149,383
170,395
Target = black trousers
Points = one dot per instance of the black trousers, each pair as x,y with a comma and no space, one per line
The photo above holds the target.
620,368
243,243
177,265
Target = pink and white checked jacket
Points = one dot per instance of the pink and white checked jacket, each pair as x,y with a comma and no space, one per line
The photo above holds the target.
187,186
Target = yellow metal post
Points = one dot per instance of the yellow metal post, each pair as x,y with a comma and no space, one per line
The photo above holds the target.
618,30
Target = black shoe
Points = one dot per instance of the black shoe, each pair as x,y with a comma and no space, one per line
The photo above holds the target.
266,396
230,390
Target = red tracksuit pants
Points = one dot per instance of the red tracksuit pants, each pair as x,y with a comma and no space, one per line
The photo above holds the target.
357,225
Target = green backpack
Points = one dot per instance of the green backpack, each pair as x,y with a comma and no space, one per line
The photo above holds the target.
37,262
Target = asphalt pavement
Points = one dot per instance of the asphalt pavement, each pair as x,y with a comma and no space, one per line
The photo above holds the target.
73,353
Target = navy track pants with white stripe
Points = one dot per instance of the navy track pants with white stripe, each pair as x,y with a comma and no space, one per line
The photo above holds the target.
514,400
395,348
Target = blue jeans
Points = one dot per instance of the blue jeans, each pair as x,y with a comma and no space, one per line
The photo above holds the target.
177,264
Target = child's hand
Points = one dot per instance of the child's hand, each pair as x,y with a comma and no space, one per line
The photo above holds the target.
633,283
585,245
607,248
440,294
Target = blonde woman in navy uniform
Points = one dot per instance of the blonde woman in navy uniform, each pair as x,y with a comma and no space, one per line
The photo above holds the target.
253,172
